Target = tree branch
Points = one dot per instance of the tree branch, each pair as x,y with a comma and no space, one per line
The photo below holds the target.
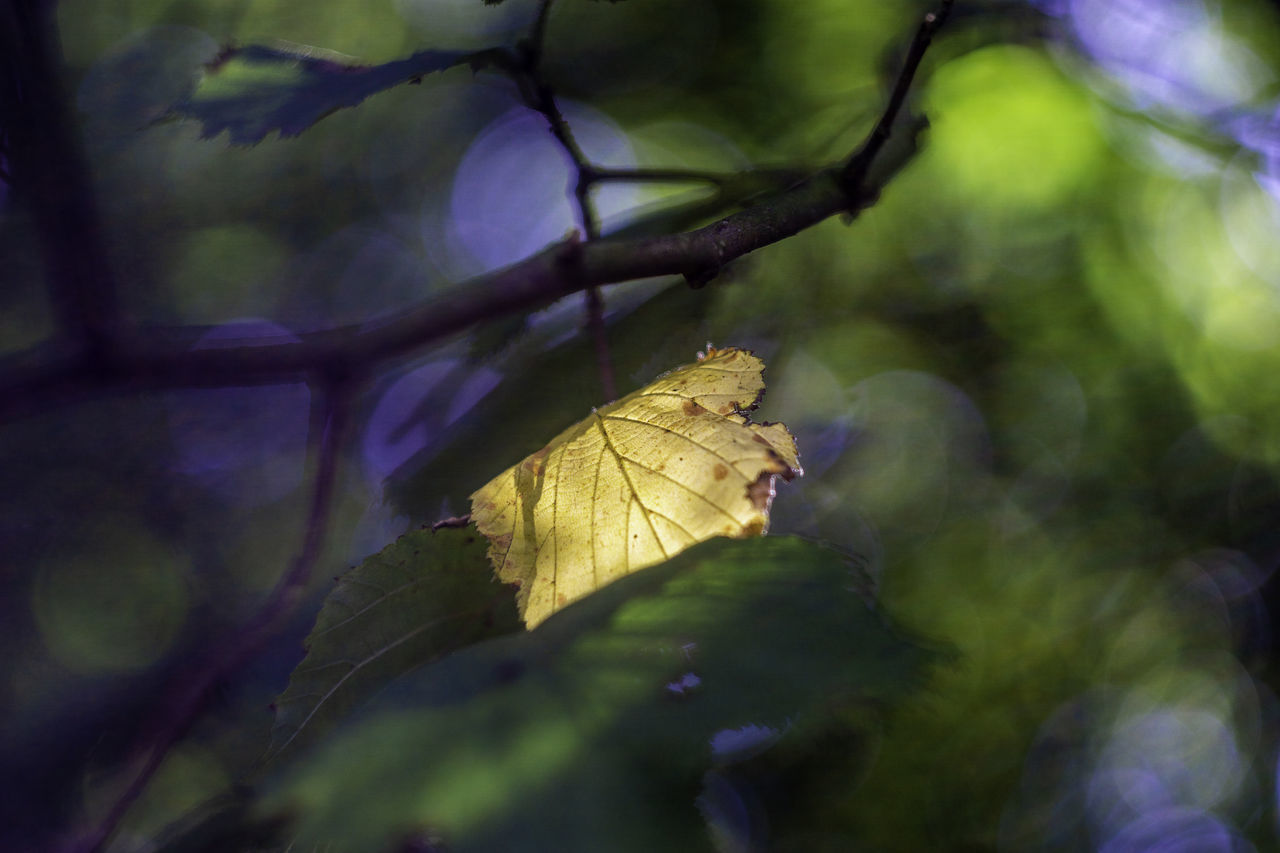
187,700
163,357
538,34
47,170
856,170
543,99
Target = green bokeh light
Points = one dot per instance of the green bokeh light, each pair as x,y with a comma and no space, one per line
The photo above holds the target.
116,603
220,273
1009,134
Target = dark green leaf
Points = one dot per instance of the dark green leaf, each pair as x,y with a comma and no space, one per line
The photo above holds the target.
421,597
593,732
251,91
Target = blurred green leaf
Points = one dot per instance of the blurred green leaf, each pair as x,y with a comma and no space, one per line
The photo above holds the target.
251,91
593,732
423,596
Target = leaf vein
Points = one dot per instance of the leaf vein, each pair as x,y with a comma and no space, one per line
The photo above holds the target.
328,694
691,491
635,495
668,431
356,614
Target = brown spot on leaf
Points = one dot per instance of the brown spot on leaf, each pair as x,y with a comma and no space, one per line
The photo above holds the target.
692,409
760,493
720,471
759,439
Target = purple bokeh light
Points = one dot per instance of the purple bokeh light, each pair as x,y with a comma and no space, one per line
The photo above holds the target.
1174,830
1230,583
1170,54
411,413
512,194
245,443
1176,59
1179,756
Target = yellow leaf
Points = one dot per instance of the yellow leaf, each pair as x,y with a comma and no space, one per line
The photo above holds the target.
637,482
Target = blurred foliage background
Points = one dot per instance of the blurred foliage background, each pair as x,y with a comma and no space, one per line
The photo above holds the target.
1037,386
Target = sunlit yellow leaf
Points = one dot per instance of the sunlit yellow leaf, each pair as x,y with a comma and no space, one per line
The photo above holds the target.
635,483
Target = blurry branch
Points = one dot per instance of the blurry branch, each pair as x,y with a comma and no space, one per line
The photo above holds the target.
48,172
163,357
4,158
187,699
540,97
537,39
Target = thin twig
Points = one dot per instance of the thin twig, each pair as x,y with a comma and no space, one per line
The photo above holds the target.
855,171
543,99
544,102
188,700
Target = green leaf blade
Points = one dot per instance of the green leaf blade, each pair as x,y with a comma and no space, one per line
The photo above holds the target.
426,594
578,735
254,90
